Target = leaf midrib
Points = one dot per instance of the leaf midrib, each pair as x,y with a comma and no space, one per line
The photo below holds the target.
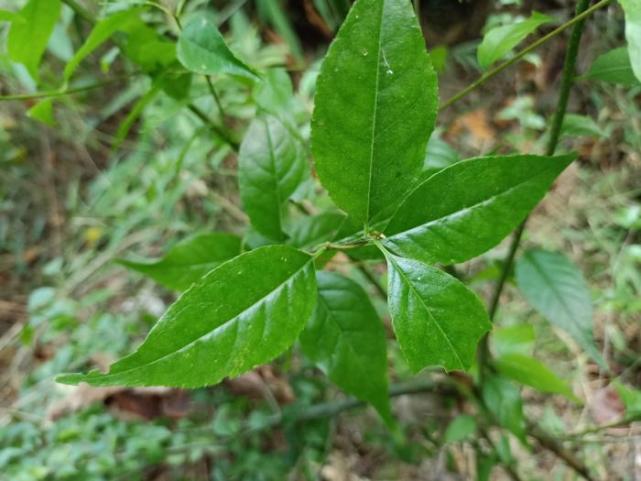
274,172
429,313
470,208
375,115
219,327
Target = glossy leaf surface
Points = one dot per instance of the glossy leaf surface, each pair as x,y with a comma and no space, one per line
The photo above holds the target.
499,41
468,208
376,103
30,31
346,338
437,320
202,49
555,287
244,313
271,166
189,260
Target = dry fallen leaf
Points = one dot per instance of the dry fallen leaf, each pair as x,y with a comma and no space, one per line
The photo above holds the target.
138,403
474,129
261,383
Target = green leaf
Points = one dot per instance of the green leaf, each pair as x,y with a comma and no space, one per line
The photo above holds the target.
271,166
532,372
135,112
499,41
439,58
148,49
580,126
614,67
376,104
503,399
555,287
311,231
438,155
8,16
275,92
437,320
42,112
244,313
30,32
468,208
631,399
346,338
632,9
517,339
202,49
189,260
484,466
460,429
101,32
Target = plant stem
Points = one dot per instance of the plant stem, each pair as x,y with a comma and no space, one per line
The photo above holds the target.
220,132
567,81
509,468
621,423
577,21
79,10
548,442
216,97
214,128
62,93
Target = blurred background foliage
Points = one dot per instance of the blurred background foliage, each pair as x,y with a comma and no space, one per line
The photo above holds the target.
128,169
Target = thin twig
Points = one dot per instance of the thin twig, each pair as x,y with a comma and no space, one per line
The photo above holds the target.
509,469
566,85
216,97
552,445
620,423
578,19
64,92
86,15
79,10
567,81
214,128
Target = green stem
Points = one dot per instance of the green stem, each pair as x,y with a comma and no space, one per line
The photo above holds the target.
567,81
79,10
214,128
551,444
216,97
62,93
621,423
576,21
